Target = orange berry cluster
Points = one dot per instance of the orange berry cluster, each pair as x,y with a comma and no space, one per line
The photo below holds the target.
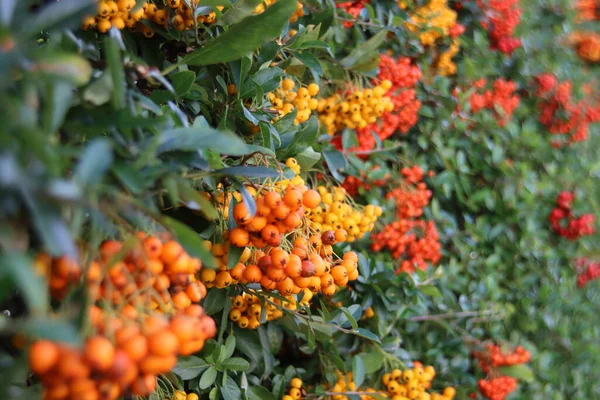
144,319
491,358
501,96
155,273
497,388
412,383
285,100
246,309
411,240
122,13
299,12
367,181
587,45
182,395
404,76
282,250
336,213
296,391
560,114
587,10
494,357
355,109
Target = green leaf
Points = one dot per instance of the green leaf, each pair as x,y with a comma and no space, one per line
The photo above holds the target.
230,390
229,346
259,393
117,74
335,161
69,67
430,290
57,103
190,240
311,62
19,269
182,82
214,301
46,328
519,371
195,138
303,138
94,161
350,317
235,364
249,171
308,158
233,256
358,370
208,378
240,10
367,335
190,367
372,361
364,50
243,38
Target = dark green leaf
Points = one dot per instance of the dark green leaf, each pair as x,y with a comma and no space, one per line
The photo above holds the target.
190,367
208,378
235,364
94,161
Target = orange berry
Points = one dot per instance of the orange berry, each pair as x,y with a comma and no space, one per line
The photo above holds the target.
171,252
135,347
272,200
279,258
239,237
237,272
276,274
163,343
293,267
270,234
99,352
43,356
286,287
145,384
181,301
252,274
341,235
241,214
308,269
311,199
153,247
328,237
293,199
339,273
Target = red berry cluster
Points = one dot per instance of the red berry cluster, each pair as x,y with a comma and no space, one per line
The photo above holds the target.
587,10
404,77
411,240
589,271
561,114
502,17
576,227
353,8
493,357
366,181
497,388
501,96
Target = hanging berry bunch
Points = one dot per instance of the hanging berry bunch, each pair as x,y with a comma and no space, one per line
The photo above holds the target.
296,391
575,227
352,9
588,270
496,386
411,240
587,10
501,99
404,76
142,318
285,100
501,19
355,109
172,14
561,114
587,45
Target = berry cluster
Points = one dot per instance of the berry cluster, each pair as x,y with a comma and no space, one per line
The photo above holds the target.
588,10
587,45
246,309
493,357
432,21
575,227
413,241
182,395
285,100
336,213
411,383
122,13
142,319
497,388
375,177
500,99
293,18
353,9
588,271
561,114
355,109
404,76
501,20
284,249
296,391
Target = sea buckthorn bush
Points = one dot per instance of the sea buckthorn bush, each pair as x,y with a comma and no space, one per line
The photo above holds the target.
284,200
